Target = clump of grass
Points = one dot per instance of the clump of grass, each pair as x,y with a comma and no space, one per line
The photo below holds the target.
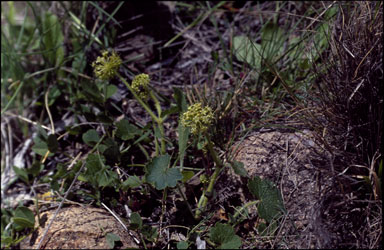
349,96
351,89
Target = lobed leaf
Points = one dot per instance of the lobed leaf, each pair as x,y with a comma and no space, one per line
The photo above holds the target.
136,221
91,137
131,182
159,173
271,205
126,131
224,236
239,169
111,239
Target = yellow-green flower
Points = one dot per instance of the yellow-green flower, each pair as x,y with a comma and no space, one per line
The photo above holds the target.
106,66
140,85
197,118
204,179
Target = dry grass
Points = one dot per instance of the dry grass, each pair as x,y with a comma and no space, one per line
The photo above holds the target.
349,101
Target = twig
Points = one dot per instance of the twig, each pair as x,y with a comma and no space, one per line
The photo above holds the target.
118,219
27,120
354,92
51,120
49,112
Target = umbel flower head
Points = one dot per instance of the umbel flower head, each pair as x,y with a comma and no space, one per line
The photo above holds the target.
197,118
140,85
106,66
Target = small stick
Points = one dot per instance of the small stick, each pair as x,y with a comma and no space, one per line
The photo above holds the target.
118,219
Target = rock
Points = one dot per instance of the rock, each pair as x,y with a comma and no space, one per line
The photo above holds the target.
78,227
286,159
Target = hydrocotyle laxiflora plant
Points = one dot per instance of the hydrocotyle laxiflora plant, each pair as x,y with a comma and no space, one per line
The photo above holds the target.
199,119
107,65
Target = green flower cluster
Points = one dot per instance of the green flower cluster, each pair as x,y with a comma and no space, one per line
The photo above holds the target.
140,85
197,118
106,66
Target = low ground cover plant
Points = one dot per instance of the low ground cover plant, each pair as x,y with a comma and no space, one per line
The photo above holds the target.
100,126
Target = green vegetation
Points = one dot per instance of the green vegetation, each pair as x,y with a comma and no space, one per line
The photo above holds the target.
97,117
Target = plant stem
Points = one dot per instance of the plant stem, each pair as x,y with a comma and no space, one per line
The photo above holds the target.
142,239
206,193
155,118
157,103
213,153
162,140
156,142
159,121
145,106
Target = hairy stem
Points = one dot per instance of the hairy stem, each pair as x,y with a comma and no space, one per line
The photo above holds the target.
145,106
155,118
207,193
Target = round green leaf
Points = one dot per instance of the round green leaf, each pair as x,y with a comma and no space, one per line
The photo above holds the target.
111,239
136,221
187,175
159,173
21,173
126,131
182,245
239,169
40,146
91,137
224,236
271,205
131,182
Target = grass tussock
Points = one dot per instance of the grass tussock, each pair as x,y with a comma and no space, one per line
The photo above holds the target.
349,98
